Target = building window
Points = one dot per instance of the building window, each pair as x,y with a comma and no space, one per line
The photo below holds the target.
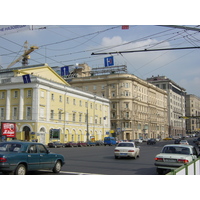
2,113
28,112
14,112
15,94
80,103
2,95
52,97
52,114
29,94
74,117
60,98
94,87
74,101
80,117
60,115
68,100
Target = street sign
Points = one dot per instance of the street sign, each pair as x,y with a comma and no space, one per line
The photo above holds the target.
108,61
26,78
64,70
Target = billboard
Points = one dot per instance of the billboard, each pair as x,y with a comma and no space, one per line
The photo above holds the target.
8,129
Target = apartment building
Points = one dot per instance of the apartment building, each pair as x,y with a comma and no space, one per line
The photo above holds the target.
47,108
193,111
138,109
175,102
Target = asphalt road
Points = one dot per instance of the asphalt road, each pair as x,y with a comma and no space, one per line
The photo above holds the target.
99,160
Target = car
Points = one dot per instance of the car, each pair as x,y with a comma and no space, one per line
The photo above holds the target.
151,141
184,142
99,143
138,140
91,143
17,157
177,141
127,149
145,139
82,144
55,145
71,144
173,156
167,138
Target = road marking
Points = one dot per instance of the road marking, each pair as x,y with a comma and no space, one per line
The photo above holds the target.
78,173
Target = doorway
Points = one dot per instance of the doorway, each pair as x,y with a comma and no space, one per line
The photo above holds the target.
26,131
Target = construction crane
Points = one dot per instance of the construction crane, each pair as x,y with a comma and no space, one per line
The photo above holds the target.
25,55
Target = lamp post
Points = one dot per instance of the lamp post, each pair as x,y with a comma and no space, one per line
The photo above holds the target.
87,125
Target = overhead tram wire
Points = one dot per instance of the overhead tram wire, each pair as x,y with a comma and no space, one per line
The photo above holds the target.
53,43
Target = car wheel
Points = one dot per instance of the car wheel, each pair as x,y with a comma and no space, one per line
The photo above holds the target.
160,171
20,170
116,157
57,167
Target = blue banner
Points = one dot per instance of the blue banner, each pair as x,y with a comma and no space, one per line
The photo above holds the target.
64,70
26,78
109,61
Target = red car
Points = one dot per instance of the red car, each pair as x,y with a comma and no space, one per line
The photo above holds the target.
82,144
71,144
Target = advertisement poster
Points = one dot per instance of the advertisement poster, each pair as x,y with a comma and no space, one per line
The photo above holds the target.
8,129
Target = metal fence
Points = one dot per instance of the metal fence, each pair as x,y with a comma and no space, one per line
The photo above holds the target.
192,168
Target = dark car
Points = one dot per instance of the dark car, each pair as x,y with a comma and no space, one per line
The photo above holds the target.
18,158
177,141
71,144
82,144
151,141
55,145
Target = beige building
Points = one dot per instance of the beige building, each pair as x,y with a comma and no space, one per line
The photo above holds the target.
192,110
175,102
138,109
48,109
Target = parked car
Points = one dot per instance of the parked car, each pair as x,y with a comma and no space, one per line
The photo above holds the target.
177,141
151,141
173,156
126,149
55,145
91,143
18,158
99,143
184,142
145,139
82,144
71,144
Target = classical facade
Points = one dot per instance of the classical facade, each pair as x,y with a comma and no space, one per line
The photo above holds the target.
138,109
175,102
193,111
47,108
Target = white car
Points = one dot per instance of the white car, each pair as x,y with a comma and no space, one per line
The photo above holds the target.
127,149
173,156
184,142
138,140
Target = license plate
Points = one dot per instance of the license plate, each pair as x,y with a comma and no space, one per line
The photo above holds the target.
170,160
123,154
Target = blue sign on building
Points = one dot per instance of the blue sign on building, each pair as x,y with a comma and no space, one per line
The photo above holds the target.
64,70
26,78
108,61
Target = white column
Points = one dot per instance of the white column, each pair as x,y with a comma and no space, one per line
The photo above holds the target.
8,105
48,106
21,104
35,105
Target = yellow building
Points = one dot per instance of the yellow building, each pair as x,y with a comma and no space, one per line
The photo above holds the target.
48,109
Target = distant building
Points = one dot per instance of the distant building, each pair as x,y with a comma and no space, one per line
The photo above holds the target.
45,107
175,102
138,109
192,109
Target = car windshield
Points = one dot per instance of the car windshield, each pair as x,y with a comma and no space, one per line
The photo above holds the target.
176,150
125,144
10,147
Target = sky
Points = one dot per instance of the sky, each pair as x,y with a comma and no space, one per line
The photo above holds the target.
63,45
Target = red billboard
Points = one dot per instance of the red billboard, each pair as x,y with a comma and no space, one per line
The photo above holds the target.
8,129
